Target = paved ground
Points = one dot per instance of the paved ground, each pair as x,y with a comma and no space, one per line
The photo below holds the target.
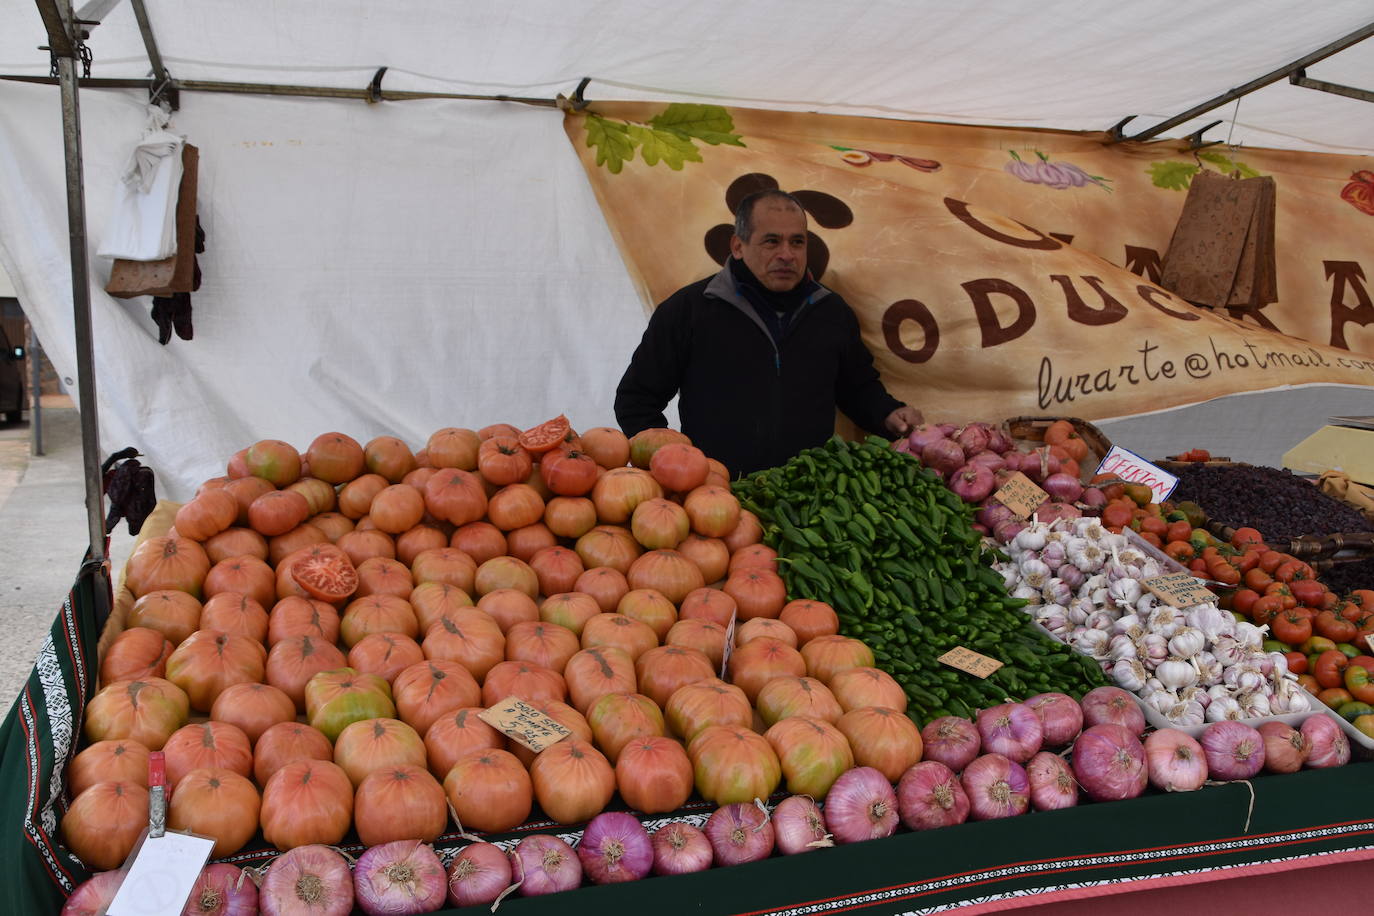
43,535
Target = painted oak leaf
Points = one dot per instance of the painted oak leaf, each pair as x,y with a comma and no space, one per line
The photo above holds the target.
1176,176
709,123
666,145
1228,165
612,141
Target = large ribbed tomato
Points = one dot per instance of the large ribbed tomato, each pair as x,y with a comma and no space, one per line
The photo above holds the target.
340,697
104,822
219,803
373,744
714,511
489,790
607,445
401,802
427,690
147,711
557,569
570,473
377,614
306,802
812,752
659,524
515,506
174,614
619,718
445,565
760,660
855,688
236,614
253,708
287,742
502,460
654,775
278,512
604,584
208,661
809,619
710,555
570,516
207,744
570,610
273,460
297,616
646,442
473,640
733,764
506,572
747,531
669,572
384,576
662,670
207,515
620,490
787,696
709,604
652,607
294,660
384,654
243,575
135,653
453,447
547,645
525,680
679,467
705,636
335,458
702,704
121,760
572,780
882,738
456,732
757,592
593,673
167,563
455,496
564,715
826,656
431,600
390,457
634,636
508,607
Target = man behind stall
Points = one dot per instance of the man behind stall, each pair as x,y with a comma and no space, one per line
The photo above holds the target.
760,354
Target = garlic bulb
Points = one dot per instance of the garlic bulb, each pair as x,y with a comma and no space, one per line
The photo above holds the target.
1187,642
1223,708
1176,674
1129,674
1031,537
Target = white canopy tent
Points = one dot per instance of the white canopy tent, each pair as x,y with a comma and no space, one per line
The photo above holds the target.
403,266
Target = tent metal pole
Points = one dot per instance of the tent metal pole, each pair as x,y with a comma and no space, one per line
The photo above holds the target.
322,92
161,78
35,357
81,291
1300,78
1274,76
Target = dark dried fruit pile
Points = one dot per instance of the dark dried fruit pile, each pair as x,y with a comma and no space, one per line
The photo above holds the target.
1274,501
1349,576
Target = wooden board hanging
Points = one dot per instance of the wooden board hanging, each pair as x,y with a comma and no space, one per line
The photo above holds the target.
174,274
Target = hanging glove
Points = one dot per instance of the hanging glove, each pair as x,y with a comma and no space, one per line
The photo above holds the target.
129,487
173,313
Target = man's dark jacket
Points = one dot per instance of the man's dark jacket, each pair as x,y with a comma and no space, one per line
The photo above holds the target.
745,400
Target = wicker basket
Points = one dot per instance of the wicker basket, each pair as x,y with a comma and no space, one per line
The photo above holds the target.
1031,430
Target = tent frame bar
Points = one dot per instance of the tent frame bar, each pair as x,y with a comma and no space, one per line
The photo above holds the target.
368,94
65,44
1288,70
1300,78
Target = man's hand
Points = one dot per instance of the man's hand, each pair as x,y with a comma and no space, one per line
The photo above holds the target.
903,420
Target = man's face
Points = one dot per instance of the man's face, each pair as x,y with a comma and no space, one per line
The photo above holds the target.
776,251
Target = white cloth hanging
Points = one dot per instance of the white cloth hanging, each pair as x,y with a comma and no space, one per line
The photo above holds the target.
142,224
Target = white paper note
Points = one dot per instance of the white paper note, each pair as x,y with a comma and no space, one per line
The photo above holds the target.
163,872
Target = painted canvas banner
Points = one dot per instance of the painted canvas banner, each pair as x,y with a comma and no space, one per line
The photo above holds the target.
1002,266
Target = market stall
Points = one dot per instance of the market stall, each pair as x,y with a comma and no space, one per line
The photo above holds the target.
398,584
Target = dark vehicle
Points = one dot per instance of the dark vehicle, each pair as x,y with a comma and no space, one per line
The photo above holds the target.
12,401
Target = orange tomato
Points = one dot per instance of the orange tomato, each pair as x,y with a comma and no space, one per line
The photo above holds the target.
1151,538
1243,601
1058,431
1329,668
1309,683
1179,531
1258,579
1270,560
1179,550
1115,516
1335,697
1245,537
1297,662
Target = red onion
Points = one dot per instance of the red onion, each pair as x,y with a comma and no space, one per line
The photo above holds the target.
972,483
1174,761
94,895
943,456
948,429
544,864
1285,748
972,438
991,512
1113,706
951,740
479,873
1004,531
996,787
1053,511
799,825
1330,747
861,805
1234,750
400,878
680,848
998,440
1109,763
739,832
1061,718
615,847
990,460
307,881
922,436
1044,466
1093,498
1062,487
222,890
930,795
1012,730
1051,782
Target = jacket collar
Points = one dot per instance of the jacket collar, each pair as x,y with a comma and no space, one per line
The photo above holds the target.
722,286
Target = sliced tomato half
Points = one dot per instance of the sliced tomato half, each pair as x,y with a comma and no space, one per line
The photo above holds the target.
546,435
326,574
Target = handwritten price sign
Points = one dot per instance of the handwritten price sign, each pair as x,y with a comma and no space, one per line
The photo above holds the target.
1179,590
1130,466
970,662
1020,495
519,720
